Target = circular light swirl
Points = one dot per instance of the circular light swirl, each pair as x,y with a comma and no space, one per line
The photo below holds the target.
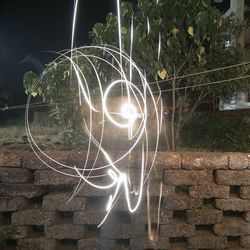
131,115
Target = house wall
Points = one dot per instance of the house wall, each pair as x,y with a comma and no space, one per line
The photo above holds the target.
237,6
240,100
205,205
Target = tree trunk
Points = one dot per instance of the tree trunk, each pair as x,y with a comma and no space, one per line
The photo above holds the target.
173,116
179,125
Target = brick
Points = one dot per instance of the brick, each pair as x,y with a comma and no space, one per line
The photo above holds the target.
106,244
121,204
127,231
247,216
234,245
97,244
11,204
245,241
65,231
10,158
233,204
78,159
232,226
129,161
51,177
165,215
37,244
204,161
33,217
111,231
14,232
181,202
135,230
89,191
89,217
121,231
179,246
236,178
165,160
167,191
89,244
204,216
187,177
135,176
209,191
25,190
31,161
67,245
121,246
60,202
155,176
177,228
141,217
245,192
146,243
207,240
238,161
15,175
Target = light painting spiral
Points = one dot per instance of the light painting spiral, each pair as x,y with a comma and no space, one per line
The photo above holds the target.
124,104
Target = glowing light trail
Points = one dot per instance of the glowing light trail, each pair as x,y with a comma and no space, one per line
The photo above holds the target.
130,116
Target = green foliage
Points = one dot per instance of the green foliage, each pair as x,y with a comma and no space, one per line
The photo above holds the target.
193,38
221,133
62,97
53,84
58,82
72,137
58,86
29,81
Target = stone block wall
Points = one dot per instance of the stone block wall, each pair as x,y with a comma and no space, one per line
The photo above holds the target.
205,205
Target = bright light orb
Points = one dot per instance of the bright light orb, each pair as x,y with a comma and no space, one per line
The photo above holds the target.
129,112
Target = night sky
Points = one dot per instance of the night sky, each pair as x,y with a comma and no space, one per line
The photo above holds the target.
29,27
32,27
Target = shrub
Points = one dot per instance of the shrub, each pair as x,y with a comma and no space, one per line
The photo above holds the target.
220,133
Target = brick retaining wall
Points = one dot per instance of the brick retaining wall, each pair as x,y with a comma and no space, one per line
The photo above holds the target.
205,205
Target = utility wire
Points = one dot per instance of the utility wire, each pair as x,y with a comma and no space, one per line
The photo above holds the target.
204,84
200,73
44,104
35,105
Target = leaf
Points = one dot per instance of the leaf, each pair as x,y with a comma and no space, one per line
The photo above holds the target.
98,29
29,81
202,50
34,93
191,31
204,3
124,30
199,58
174,31
220,22
163,74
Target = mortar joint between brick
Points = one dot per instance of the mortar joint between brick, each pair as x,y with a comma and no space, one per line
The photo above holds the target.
181,163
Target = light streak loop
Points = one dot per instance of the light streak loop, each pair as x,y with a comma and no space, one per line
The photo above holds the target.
131,115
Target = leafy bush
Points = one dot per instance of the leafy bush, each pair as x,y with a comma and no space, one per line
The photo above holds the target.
220,133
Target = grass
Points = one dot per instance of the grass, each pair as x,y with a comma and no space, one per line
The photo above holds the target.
45,133
14,131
